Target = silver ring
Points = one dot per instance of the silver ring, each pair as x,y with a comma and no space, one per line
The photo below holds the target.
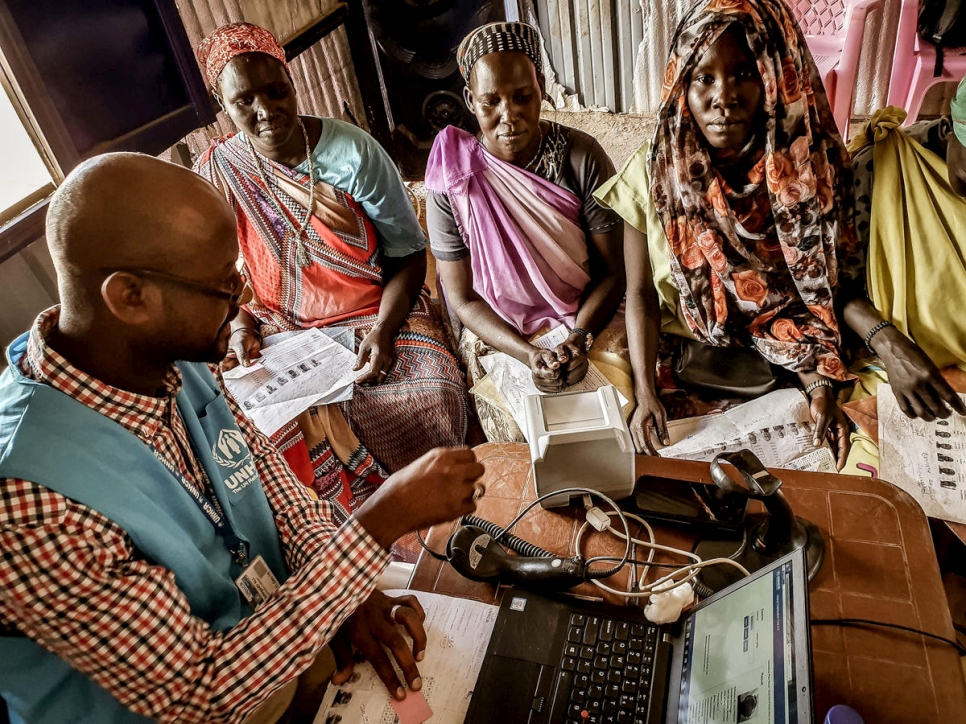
479,490
392,612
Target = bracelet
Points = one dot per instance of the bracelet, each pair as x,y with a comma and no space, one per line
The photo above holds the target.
820,382
873,332
246,329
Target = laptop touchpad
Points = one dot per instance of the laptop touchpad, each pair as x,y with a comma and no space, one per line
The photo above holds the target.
508,689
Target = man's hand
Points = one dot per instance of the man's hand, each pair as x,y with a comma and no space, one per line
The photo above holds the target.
377,349
373,630
439,486
244,346
830,423
545,370
572,356
649,417
917,383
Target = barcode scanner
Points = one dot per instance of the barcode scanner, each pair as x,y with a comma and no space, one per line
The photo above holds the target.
474,553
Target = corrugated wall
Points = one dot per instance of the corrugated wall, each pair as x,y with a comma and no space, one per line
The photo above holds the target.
323,75
593,45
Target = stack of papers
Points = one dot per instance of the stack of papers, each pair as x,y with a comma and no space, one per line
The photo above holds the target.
514,380
458,632
776,427
926,459
302,370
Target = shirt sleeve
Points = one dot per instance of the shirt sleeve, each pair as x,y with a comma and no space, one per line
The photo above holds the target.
590,166
445,239
72,581
376,184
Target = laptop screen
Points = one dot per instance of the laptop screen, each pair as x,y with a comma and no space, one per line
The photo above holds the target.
739,656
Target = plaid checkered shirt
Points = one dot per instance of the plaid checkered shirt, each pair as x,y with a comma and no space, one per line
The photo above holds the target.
71,580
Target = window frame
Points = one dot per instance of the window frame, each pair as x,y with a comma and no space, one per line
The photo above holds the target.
23,83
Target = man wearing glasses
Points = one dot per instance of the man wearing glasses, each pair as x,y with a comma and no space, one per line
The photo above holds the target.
159,558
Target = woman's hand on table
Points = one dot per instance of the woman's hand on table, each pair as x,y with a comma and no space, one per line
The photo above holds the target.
244,346
378,350
919,387
830,423
545,370
373,630
572,356
649,417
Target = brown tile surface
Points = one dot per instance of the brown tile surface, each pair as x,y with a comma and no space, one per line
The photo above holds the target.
880,564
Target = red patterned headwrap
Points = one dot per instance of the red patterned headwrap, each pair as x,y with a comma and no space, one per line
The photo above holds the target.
217,50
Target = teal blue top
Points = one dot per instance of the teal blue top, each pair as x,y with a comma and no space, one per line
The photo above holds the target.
96,462
351,160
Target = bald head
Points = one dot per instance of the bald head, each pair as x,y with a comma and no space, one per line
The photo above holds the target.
132,210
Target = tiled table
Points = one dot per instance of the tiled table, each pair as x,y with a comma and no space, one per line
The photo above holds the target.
880,565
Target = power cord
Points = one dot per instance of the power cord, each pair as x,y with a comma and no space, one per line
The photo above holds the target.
859,622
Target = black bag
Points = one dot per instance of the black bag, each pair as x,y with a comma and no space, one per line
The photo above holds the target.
942,23
723,371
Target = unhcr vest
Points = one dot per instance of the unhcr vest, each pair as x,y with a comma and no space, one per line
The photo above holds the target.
50,439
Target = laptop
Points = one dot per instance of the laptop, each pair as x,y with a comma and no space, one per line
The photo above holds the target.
743,655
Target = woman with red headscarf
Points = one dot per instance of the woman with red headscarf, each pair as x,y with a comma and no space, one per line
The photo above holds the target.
329,239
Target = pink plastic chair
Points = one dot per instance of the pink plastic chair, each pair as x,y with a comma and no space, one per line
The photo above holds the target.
914,63
833,30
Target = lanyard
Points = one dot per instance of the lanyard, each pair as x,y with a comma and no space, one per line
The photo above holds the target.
213,512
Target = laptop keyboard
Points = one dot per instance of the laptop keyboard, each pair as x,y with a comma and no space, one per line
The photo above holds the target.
607,667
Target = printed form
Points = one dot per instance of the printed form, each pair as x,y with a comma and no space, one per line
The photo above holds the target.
303,370
777,428
458,632
926,459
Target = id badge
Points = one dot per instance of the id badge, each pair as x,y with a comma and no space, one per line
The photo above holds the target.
257,582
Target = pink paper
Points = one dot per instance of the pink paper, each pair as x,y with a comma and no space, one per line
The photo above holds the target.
413,709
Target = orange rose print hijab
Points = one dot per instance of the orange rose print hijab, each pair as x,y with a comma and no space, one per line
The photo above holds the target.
732,292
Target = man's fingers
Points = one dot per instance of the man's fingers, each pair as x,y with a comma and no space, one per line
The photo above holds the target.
342,651
947,396
377,656
401,651
904,406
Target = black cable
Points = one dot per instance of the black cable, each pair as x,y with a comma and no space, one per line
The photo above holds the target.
434,554
511,541
857,622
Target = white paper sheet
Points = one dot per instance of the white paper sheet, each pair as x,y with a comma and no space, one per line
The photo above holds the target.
926,459
777,427
303,370
514,380
458,632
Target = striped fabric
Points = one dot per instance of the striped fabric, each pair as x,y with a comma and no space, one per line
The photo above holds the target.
498,38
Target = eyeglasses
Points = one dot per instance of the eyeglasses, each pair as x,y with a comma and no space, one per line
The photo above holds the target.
235,299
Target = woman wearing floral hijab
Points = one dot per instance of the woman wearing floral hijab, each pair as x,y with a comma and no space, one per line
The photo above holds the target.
736,209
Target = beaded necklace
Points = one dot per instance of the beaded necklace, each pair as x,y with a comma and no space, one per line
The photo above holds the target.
294,234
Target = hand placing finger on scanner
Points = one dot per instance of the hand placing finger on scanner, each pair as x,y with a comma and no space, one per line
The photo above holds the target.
376,630
244,346
439,486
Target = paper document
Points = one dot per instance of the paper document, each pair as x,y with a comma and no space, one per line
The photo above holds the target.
926,459
514,380
303,370
776,427
458,632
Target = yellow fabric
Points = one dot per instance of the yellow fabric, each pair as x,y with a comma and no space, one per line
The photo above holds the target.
629,194
864,451
917,250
